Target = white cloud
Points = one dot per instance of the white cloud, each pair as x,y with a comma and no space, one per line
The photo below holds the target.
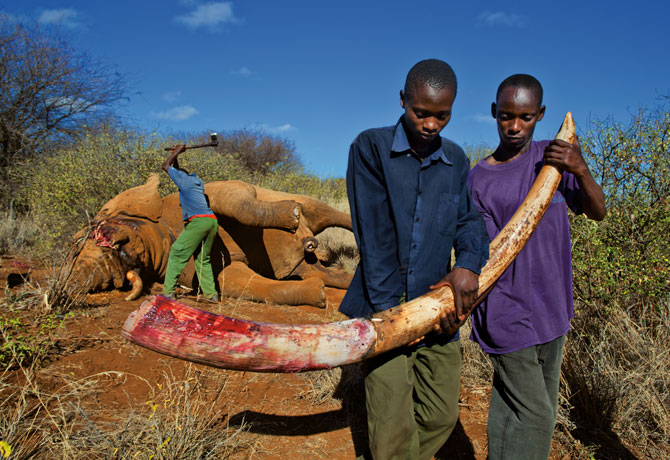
281,129
171,96
211,15
482,118
65,17
500,18
273,129
243,71
180,113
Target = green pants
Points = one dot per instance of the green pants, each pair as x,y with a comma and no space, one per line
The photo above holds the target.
412,400
197,237
524,402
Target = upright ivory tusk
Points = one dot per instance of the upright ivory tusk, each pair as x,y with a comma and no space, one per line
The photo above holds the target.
169,327
137,285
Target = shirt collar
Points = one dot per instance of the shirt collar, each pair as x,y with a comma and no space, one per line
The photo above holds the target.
401,145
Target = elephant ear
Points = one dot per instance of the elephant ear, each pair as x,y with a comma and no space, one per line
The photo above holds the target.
142,201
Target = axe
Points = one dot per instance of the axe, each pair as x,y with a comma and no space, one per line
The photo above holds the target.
212,143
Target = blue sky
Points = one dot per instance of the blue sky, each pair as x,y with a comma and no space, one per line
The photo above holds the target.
317,73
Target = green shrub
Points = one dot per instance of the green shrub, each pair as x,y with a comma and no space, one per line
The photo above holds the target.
22,344
329,190
624,261
66,188
478,152
618,354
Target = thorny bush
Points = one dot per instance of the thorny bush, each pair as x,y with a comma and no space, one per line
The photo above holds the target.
619,351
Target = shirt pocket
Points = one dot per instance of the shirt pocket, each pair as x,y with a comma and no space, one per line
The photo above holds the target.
447,213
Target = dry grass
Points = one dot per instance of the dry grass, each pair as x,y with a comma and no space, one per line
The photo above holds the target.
338,245
32,317
21,416
185,417
477,371
615,385
52,293
341,383
320,385
17,233
616,370
59,296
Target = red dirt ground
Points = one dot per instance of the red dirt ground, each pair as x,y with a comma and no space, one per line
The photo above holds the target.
284,425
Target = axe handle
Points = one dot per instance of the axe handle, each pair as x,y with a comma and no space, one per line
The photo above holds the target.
208,144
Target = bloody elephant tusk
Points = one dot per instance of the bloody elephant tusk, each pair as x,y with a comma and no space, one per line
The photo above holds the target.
169,327
137,285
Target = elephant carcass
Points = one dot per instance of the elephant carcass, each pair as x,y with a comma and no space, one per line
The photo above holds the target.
264,237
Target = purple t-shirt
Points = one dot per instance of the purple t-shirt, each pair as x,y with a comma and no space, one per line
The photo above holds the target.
532,301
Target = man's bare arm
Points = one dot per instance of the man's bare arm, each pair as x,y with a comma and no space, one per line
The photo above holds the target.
568,157
172,159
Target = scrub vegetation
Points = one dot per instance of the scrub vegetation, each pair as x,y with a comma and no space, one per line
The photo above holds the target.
65,188
615,394
618,355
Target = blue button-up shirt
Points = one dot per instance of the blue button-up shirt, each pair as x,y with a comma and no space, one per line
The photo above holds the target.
191,194
407,216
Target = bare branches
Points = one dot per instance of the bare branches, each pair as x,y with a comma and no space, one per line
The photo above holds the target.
47,91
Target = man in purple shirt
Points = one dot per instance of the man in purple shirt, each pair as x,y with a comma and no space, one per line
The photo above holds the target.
523,322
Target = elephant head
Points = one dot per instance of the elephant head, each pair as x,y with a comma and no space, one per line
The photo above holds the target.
122,240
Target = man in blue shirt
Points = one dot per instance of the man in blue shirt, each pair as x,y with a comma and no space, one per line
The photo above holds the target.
410,206
200,229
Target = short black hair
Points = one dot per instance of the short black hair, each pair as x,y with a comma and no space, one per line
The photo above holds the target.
521,80
433,72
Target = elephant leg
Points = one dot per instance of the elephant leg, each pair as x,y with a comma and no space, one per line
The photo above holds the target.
331,277
238,280
238,201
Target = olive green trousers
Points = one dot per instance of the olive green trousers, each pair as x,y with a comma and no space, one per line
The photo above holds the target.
524,402
196,238
412,401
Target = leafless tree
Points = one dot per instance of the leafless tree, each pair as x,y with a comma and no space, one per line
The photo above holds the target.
48,91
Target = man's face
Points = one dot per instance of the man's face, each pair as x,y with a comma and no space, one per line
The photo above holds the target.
427,112
517,111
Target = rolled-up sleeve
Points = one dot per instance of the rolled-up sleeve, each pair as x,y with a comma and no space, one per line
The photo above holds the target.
177,176
471,241
373,226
